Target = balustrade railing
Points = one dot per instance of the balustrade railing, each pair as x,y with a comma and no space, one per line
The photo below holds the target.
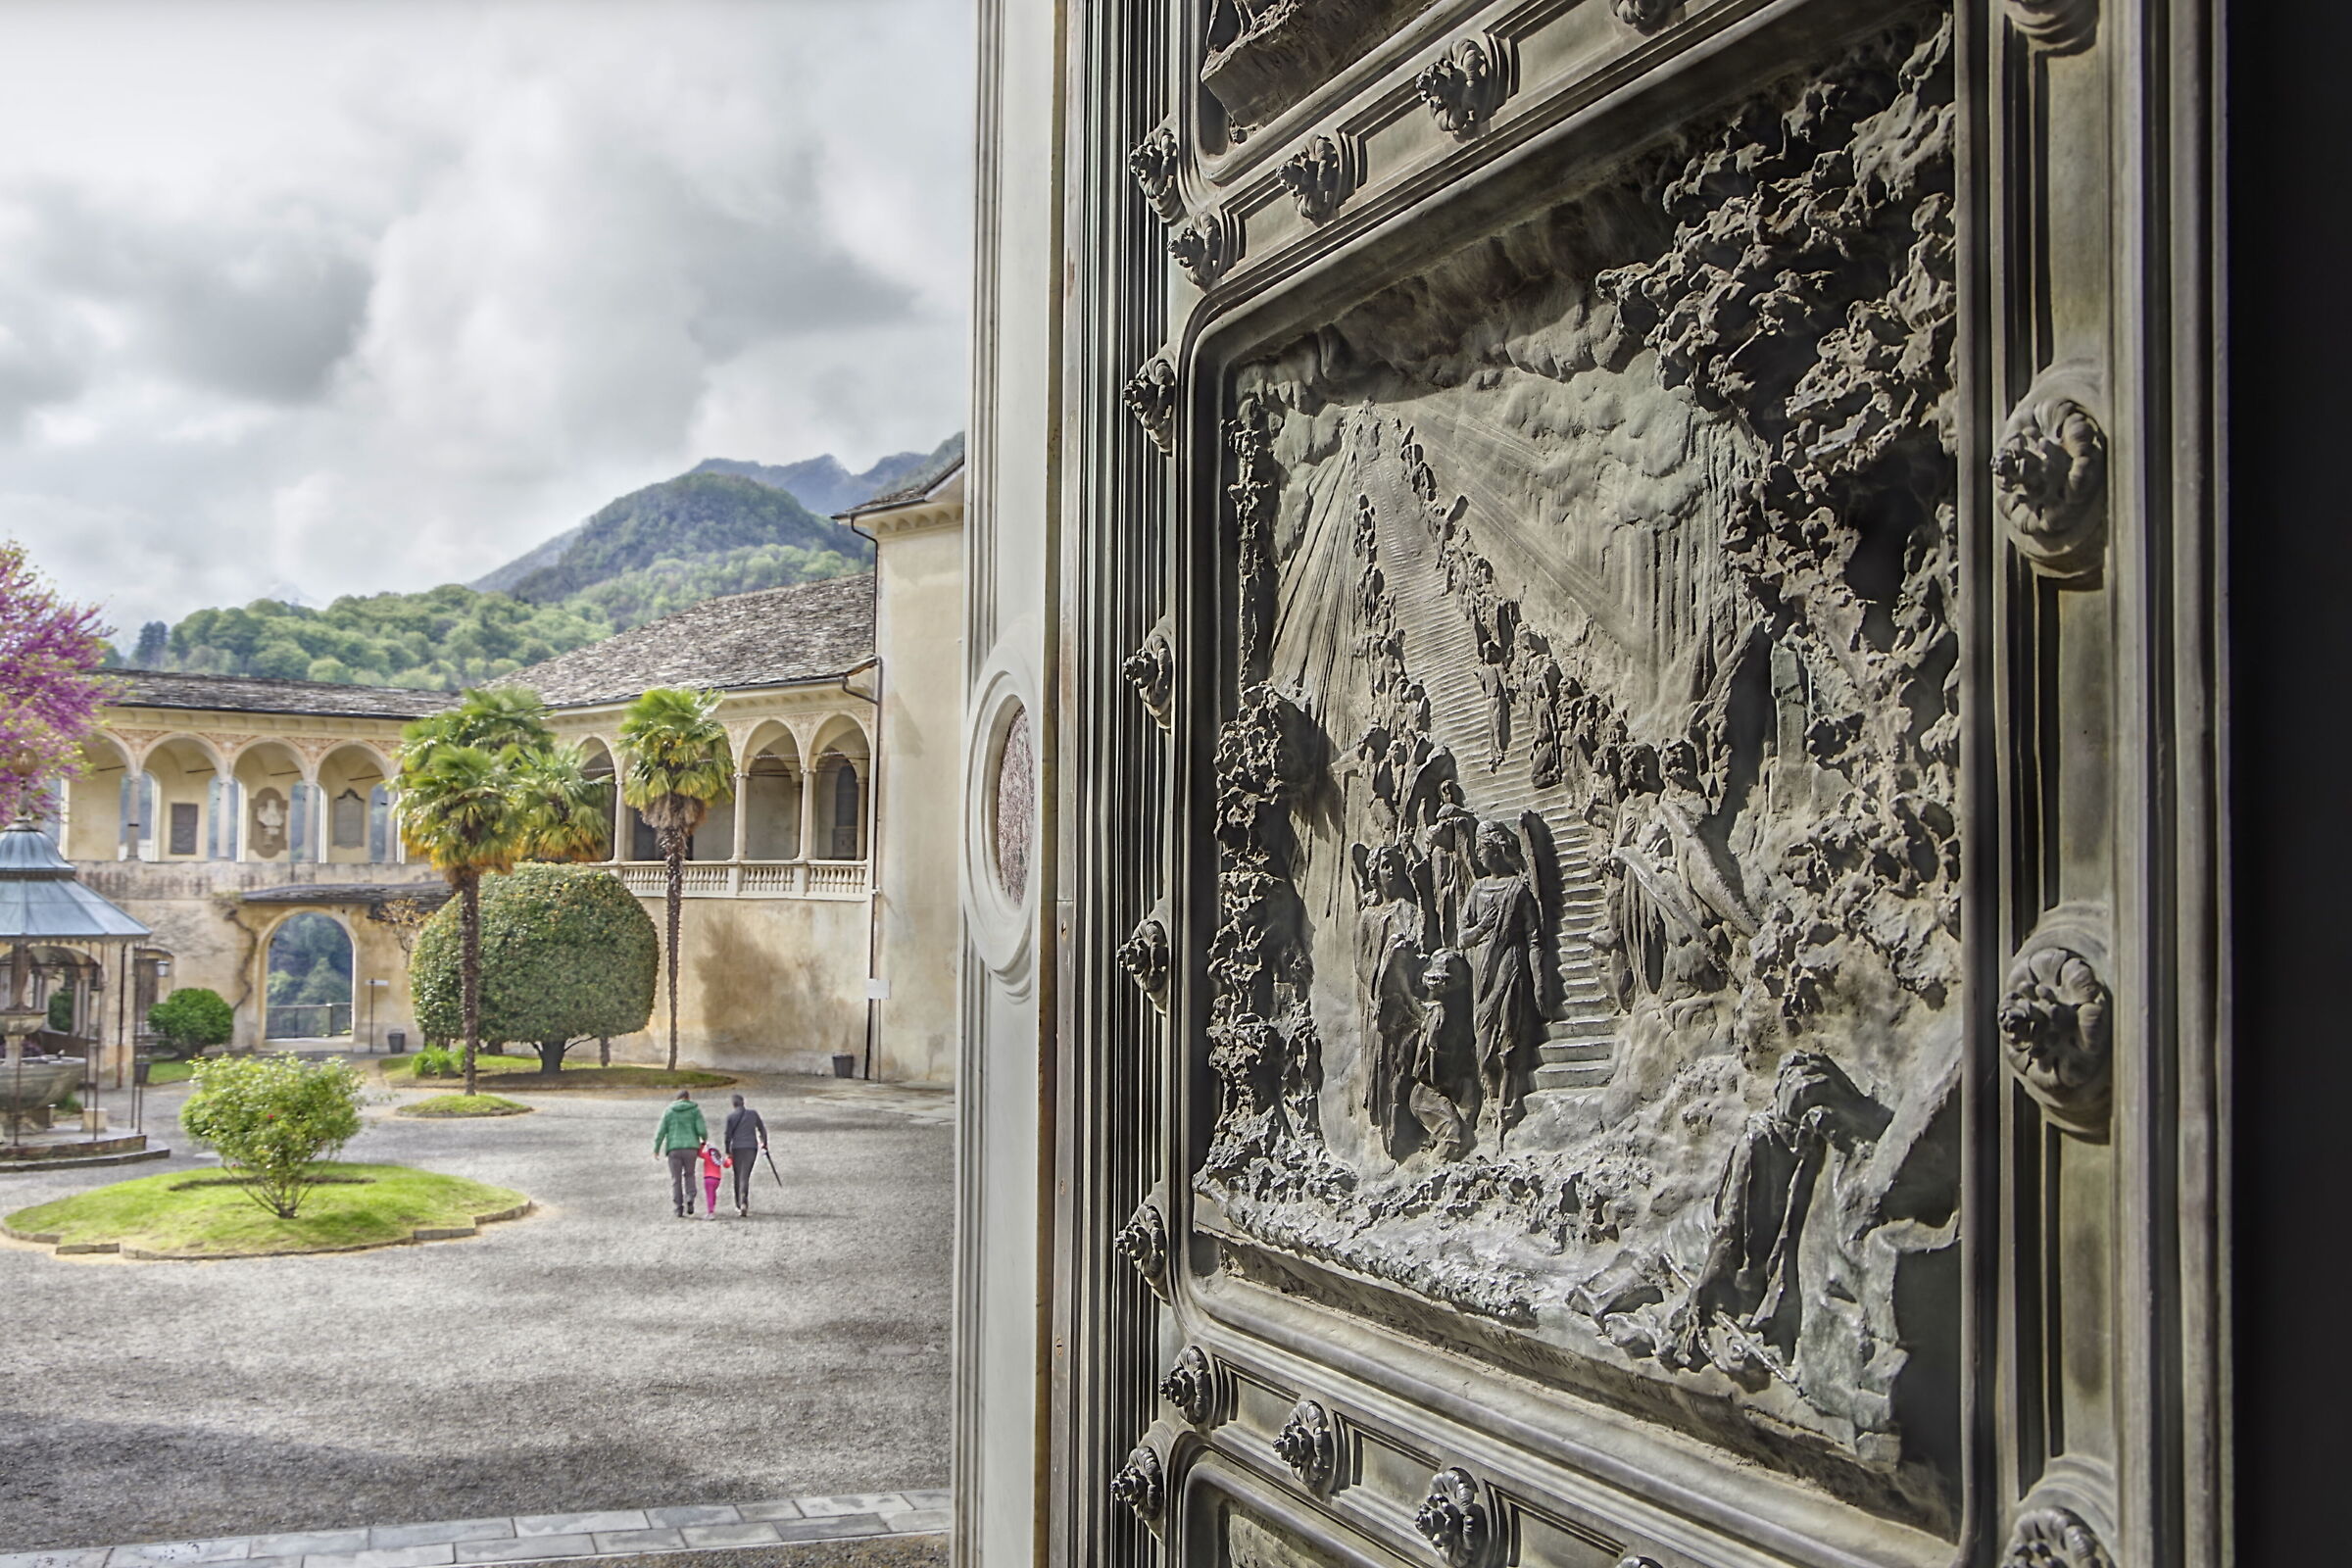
751,879
844,878
308,1020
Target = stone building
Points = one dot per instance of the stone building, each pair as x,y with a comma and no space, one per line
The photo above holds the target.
1595,916
821,907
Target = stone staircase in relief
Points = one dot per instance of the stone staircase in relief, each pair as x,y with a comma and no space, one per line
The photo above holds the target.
1440,650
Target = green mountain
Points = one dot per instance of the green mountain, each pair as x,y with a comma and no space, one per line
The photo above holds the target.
694,517
726,528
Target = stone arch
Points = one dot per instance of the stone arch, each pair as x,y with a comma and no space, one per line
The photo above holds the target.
773,781
307,1017
840,785
277,825
354,782
153,743
193,805
600,758
843,732
93,828
269,751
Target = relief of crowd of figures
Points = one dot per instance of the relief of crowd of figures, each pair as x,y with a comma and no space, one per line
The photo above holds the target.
1587,949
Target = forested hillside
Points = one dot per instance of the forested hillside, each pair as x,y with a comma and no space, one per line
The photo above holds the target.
726,528
444,639
696,517
672,584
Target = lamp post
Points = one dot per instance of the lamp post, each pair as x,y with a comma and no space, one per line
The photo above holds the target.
371,989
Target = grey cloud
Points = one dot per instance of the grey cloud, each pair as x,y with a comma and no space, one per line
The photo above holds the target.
42,361
467,276
262,306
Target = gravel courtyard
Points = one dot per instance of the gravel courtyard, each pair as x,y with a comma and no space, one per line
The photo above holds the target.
597,1355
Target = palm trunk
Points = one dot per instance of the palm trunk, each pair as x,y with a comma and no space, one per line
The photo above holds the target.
470,967
673,855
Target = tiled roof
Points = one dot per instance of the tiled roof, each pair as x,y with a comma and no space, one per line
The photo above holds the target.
776,637
252,694
914,489
373,894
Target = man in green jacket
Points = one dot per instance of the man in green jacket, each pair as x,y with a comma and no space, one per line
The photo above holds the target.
681,1137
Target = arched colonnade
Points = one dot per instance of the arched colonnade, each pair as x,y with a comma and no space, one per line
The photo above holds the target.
800,820
191,796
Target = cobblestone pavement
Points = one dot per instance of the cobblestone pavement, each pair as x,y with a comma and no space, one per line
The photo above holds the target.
628,1534
586,1358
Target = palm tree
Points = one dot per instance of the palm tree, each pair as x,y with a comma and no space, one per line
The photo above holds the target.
565,814
459,810
494,717
676,764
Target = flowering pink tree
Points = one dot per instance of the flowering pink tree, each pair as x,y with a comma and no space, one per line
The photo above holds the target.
50,688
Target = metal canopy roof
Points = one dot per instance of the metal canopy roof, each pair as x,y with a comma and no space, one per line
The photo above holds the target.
42,901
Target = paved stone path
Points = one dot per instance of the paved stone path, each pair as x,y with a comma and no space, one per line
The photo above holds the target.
532,1537
587,1357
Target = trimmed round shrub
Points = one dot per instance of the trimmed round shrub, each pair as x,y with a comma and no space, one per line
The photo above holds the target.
567,954
190,1019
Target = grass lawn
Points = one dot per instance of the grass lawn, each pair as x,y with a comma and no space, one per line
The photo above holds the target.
499,1071
187,1215
169,1072
465,1105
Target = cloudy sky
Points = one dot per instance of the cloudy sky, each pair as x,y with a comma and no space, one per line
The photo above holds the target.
352,295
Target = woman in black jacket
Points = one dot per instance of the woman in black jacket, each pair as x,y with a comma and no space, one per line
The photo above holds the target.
746,1141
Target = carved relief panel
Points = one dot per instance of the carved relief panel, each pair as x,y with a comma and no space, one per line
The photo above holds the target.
1583,993
1635,933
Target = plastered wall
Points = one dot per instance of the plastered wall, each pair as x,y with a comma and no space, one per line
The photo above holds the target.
919,631
765,985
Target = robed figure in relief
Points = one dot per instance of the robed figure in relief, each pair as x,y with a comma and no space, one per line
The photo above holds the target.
1503,929
1391,954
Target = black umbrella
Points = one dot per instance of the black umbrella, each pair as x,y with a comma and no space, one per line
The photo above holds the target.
772,1165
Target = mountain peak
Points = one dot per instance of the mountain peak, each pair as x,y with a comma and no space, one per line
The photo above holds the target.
653,522
824,485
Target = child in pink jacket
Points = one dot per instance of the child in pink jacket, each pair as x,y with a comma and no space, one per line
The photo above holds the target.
712,1164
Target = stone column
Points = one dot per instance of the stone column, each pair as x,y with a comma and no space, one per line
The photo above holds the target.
743,816
621,821
807,844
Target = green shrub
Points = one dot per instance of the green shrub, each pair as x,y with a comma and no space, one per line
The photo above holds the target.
192,1018
438,1061
567,954
273,1120
61,1012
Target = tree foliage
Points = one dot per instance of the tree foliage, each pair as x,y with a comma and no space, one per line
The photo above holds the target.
567,953
309,962
50,690
438,641
676,765
192,1018
484,784
273,1120
456,809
